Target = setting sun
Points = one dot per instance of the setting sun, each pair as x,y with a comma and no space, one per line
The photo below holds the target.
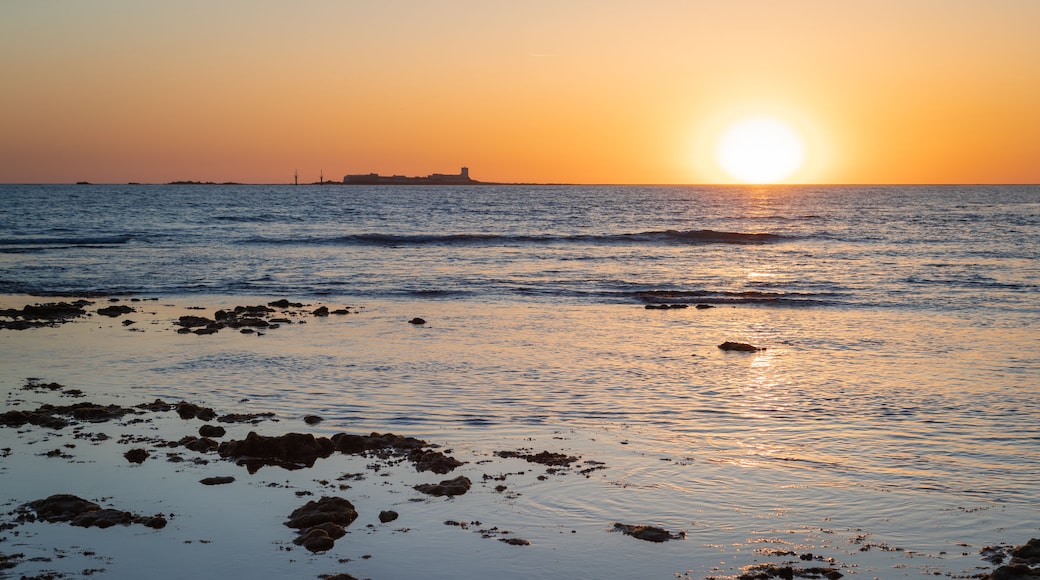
760,150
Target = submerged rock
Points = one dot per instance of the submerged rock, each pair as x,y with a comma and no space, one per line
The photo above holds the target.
544,458
87,514
449,487
435,461
289,451
648,533
740,347
219,480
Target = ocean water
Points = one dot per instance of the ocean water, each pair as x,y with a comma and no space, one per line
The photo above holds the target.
892,423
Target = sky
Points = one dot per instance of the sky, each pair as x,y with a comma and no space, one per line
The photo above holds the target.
547,91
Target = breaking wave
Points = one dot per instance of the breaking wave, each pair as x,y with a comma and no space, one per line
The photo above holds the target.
673,237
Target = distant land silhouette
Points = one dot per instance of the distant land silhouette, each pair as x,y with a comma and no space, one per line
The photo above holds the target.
461,178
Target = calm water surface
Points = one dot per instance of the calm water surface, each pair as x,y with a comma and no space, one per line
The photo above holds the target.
892,422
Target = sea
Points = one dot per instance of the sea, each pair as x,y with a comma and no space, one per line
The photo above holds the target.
889,427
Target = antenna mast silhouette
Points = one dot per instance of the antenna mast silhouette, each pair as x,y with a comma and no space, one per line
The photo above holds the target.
295,177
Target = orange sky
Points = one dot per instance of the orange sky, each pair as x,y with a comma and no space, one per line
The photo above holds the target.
926,91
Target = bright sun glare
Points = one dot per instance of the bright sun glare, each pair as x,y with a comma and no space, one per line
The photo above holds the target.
760,150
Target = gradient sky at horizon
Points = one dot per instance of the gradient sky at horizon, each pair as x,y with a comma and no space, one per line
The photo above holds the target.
883,91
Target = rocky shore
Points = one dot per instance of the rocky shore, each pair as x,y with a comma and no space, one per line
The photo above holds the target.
45,420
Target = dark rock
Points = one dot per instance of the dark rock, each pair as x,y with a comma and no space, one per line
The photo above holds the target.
87,514
334,510
1029,553
136,455
1014,572
321,311
704,306
220,480
96,413
435,461
334,530
114,311
188,321
740,347
244,417
648,533
188,410
515,541
316,540
417,320
39,315
289,451
62,507
348,443
103,518
449,487
199,444
212,431
312,419
544,458
387,516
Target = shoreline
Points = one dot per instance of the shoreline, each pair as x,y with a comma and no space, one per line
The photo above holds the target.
237,528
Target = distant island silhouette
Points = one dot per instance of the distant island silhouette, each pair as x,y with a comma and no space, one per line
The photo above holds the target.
461,178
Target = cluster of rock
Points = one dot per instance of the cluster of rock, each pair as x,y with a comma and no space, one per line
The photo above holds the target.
39,315
320,523
544,458
299,450
787,572
249,319
1024,561
86,514
58,416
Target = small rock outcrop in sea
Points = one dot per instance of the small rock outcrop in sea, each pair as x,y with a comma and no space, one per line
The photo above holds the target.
289,451
387,516
544,458
417,320
115,310
786,572
218,480
39,315
648,533
1023,564
188,410
54,416
320,523
740,347
136,455
449,487
86,514
212,431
